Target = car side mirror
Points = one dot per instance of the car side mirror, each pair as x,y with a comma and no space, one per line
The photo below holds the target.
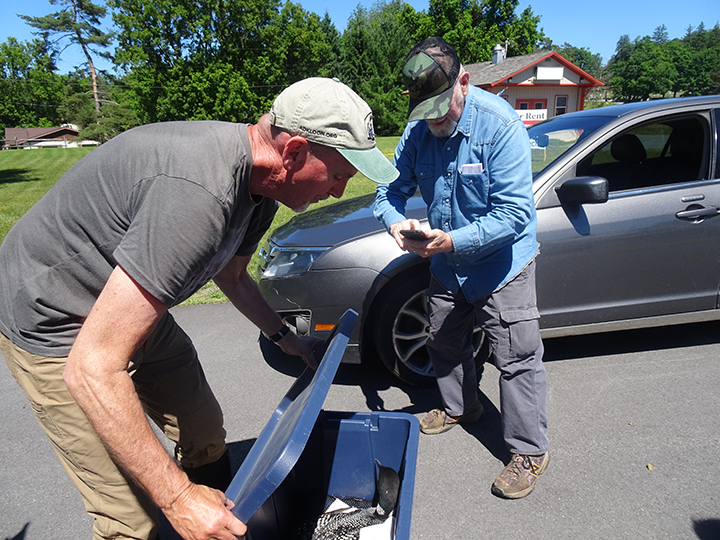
583,190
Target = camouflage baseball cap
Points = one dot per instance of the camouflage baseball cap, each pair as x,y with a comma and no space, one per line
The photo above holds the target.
430,71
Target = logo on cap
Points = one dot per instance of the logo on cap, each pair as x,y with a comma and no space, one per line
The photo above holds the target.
370,127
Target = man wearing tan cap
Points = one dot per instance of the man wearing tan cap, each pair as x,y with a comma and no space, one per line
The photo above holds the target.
134,228
469,154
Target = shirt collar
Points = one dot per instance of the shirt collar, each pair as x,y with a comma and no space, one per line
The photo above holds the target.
465,123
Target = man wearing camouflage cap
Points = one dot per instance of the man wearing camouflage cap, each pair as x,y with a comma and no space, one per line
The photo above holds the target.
469,154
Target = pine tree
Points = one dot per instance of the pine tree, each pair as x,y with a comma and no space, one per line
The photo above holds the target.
77,21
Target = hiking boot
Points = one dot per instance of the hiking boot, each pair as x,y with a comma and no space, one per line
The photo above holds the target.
437,421
518,478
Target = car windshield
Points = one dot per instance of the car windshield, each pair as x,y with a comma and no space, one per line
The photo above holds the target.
551,139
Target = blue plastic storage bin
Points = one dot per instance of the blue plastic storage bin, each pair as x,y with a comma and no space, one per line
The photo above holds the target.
305,454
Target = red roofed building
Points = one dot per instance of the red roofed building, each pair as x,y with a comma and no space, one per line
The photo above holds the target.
540,85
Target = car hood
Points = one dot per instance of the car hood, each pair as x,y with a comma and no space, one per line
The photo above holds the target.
339,222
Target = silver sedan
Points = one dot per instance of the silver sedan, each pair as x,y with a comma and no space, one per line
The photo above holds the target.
628,198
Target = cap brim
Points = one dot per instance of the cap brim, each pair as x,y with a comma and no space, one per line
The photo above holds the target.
372,163
431,108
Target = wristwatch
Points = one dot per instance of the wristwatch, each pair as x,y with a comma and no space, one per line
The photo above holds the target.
281,334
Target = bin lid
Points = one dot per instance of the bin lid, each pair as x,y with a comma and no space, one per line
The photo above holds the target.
283,439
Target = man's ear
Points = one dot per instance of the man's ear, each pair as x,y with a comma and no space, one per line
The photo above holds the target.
464,79
295,153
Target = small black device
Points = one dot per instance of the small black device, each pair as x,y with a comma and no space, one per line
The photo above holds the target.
414,234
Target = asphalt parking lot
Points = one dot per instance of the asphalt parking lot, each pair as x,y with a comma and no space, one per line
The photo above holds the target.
634,429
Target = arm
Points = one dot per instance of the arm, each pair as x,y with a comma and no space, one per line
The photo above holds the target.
122,318
390,201
245,295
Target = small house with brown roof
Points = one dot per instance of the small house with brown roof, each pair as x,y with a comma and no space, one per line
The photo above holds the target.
65,136
539,86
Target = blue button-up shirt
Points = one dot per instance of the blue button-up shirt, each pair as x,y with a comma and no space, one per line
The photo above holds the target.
477,185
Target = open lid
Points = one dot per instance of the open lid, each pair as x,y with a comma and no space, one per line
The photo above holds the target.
283,439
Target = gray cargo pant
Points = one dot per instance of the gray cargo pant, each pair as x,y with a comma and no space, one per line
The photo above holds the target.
509,318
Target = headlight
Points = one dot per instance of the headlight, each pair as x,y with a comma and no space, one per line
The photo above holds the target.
290,263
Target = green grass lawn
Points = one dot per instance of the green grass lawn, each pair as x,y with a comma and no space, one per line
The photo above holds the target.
26,175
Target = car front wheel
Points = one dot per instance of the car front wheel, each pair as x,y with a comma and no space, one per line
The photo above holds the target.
401,331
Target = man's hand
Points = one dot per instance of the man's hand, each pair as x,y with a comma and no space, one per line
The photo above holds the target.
245,295
200,512
302,346
437,241
408,224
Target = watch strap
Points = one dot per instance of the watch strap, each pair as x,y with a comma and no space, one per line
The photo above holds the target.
281,334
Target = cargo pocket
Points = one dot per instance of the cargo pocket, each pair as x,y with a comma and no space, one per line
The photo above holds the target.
523,328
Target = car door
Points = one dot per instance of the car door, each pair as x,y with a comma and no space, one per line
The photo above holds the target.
652,249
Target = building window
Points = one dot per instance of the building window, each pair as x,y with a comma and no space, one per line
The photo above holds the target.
531,104
560,105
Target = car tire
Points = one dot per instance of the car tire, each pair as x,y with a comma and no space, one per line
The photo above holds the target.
400,331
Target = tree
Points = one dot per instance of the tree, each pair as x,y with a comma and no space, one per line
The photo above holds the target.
332,66
474,28
221,59
660,35
116,116
373,51
654,66
582,57
78,22
697,59
77,106
30,92
641,69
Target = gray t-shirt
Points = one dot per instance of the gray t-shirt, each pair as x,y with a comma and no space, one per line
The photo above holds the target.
170,203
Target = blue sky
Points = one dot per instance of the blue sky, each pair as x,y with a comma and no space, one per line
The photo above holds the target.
595,26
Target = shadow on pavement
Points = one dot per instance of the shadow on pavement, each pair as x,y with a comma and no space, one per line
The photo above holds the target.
627,341
372,379
20,535
488,431
375,378
707,529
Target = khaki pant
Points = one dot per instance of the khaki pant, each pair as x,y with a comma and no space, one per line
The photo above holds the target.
172,386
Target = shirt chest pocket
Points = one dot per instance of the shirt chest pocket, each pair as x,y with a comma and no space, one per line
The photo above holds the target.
472,189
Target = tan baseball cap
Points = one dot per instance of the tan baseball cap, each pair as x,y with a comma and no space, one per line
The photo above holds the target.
327,112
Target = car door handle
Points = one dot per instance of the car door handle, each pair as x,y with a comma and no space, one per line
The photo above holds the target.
696,213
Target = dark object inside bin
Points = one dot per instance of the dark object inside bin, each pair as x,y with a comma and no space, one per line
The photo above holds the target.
305,454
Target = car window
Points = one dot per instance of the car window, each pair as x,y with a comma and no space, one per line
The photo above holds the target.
551,139
666,152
